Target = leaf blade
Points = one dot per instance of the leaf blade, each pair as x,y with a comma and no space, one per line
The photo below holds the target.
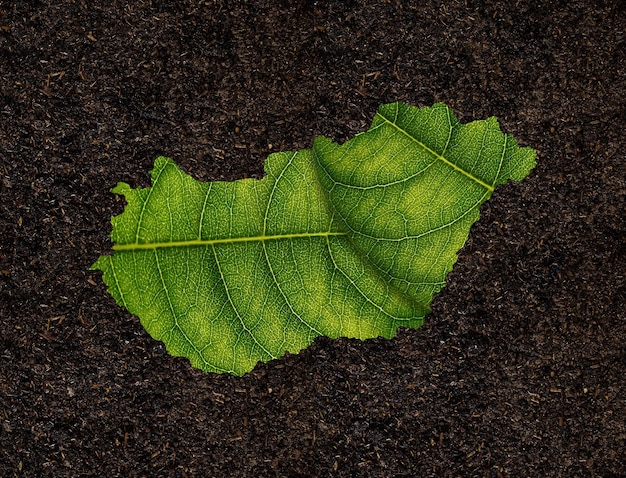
341,240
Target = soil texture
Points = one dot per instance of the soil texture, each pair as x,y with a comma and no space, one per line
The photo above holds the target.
520,368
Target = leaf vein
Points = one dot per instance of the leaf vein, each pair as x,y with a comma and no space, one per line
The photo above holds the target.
436,154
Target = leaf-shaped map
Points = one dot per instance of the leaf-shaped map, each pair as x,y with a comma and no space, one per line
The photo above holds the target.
345,240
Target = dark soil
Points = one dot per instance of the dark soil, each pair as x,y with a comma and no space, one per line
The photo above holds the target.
520,369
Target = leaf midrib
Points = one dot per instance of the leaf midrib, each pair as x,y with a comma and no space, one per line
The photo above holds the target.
435,153
227,240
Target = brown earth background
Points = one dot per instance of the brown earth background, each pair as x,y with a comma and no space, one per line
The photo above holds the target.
519,370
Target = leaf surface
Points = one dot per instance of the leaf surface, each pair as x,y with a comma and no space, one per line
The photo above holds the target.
347,240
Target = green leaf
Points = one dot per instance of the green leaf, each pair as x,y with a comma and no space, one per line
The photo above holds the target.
345,240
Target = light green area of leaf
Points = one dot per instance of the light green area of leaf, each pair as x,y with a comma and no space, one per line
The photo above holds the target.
347,240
